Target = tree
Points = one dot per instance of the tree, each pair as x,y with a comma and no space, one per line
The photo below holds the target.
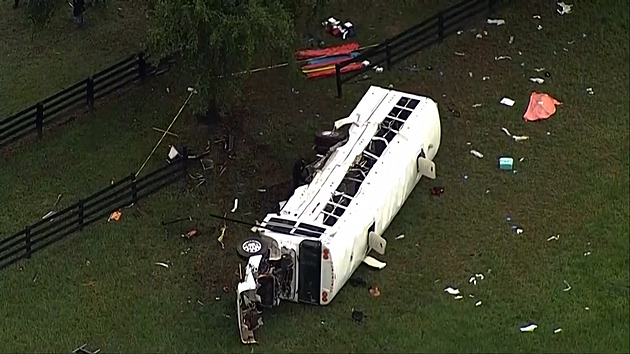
216,38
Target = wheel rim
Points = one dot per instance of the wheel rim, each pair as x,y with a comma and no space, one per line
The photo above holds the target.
252,246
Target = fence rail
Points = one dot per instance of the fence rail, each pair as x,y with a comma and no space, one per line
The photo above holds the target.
55,227
82,94
431,31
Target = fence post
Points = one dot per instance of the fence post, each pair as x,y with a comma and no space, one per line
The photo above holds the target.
90,93
142,67
28,242
388,53
39,119
81,210
338,74
441,26
134,188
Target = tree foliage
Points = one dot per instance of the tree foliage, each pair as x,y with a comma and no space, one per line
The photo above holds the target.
219,37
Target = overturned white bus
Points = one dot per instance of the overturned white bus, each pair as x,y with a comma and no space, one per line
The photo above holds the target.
308,250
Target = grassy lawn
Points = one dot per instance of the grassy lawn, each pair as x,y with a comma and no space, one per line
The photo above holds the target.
102,287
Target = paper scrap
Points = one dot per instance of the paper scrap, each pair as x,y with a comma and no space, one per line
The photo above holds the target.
501,57
461,54
235,205
511,40
553,237
507,132
451,291
589,90
539,27
485,78
161,264
538,80
478,303
506,101
557,330
400,237
458,297
568,286
529,327
497,22
536,17
539,69
564,8
476,153
520,137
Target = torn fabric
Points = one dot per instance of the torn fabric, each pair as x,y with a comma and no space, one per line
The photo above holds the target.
541,106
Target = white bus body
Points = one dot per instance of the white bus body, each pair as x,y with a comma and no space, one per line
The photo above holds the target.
328,226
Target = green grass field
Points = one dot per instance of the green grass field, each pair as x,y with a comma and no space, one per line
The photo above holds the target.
102,287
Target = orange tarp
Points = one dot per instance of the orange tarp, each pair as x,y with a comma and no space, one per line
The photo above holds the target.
541,106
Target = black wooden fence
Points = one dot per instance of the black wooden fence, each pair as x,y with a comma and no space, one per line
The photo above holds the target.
98,206
429,32
81,94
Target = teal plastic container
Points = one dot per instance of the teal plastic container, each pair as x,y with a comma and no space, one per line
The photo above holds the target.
506,163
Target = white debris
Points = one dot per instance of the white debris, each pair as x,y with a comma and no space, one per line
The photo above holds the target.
507,132
473,280
511,40
587,308
536,17
539,69
476,105
235,205
588,253
478,303
485,78
539,27
564,8
452,291
521,159
173,153
519,231
529,328
471,295
589,90
538,80
378,69
161,264
479,275
374,263
520,137
557,330
49,214
400,237
459,32
553,237
568,286
476,153
461,54
497,22
470,74
458,297
478,36
501,57
507,101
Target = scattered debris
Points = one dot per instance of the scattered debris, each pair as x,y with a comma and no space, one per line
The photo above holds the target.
235,205
515,137
530,327
476,153
461,54
49,214
200,303
589,90
459,32
497,22
564,8
502,57
470,74
539,27
374,291
541,106
537,80
554,237
568,286
226,289
511,40
478,36
587,308
262,190
400,237
507,101
220,238
514,227
458,297
115,216
539,69
536,17
437,191
374,263
476,105
452,291
478,303
557,330
161,264
588,253
484,79
547,74
357,316
191,234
